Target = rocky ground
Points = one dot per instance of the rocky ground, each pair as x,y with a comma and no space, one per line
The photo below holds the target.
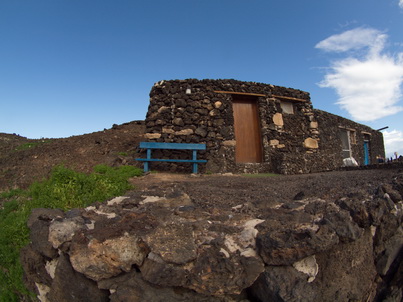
211,191
333,236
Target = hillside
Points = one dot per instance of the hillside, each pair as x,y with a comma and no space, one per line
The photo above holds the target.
23,160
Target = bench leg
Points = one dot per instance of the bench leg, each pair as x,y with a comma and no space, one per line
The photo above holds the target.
194,156
146,163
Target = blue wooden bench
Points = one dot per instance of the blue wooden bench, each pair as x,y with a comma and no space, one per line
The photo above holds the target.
173,146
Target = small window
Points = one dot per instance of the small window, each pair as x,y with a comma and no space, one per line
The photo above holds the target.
353,137
287,107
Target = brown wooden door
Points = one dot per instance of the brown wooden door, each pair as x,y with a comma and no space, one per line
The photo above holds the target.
247,130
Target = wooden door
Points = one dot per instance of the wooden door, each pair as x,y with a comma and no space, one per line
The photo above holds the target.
247,130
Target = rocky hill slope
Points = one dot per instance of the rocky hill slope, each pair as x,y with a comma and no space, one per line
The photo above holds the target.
23,161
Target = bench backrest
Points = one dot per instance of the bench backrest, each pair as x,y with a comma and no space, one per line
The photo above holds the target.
177,146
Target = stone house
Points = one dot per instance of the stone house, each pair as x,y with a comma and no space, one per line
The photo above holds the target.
254,127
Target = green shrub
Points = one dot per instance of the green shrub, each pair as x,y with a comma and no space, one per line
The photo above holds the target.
65,189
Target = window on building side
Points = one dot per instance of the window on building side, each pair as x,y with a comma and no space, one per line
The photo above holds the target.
353,137
345,143
287,107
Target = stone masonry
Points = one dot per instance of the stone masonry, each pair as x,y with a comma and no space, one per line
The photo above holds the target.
301,141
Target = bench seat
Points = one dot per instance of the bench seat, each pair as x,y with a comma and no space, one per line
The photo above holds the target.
173,160
172,146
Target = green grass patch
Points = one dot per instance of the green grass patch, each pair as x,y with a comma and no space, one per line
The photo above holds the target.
65,189
261,175
31,145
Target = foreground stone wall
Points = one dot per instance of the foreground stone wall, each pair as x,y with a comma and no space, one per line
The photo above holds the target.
165,245
200,111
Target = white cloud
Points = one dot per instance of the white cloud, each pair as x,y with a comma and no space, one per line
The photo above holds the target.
353,40
401,3
393,142
367,89
368,84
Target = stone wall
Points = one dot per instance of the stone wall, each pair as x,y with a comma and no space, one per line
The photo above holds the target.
331,125
176,241
200,111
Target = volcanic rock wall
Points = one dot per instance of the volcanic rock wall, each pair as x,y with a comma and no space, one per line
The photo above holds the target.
194,111
165,246
201,111
331,125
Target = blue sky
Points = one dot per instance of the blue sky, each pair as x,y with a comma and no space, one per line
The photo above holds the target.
69,67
